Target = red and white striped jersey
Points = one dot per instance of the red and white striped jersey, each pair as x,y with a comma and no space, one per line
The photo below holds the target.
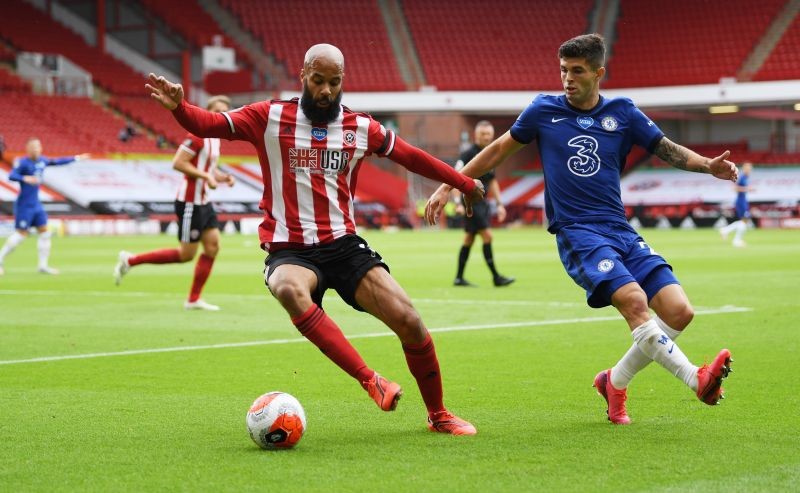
205,155
310,171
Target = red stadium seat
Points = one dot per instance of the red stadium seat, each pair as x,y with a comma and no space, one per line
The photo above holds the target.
659,45
287,29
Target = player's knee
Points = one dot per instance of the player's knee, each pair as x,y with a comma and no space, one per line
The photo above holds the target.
287,292
631,302
211,249
680,317
184,257
412,329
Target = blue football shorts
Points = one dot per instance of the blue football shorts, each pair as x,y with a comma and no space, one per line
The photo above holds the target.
602,257
29,217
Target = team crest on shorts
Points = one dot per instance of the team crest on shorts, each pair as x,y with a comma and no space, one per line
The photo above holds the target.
349,137
609,123
195,234
605,265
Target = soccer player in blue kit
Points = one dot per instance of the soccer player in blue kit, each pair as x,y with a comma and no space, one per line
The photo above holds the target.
28,210
742,206
583,139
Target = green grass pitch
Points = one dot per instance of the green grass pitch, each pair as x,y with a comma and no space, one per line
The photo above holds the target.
518,362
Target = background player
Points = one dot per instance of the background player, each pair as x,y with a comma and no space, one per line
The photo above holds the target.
310,152
28,210
743,220
481,219
583,139
197,159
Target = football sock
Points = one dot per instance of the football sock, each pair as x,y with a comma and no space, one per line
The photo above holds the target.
489,256
201,272
165,256
10,244
424,366
463,255
317,327
44,243
635,361
654,343
741,227
728,228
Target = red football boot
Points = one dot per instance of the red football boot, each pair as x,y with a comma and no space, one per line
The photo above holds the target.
383,392
709,378
447,422
615,398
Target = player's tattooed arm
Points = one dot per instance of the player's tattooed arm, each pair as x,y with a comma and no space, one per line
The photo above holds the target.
674,154
682,158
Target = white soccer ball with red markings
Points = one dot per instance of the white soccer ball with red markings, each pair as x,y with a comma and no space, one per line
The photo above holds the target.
276,420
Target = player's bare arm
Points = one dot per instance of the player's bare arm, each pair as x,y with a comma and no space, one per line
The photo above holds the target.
488,159
165,92
494,193
683,158
223,177
183,163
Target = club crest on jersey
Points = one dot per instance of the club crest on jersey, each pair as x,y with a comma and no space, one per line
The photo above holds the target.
585,121
319,133
609,123
605,265
349,137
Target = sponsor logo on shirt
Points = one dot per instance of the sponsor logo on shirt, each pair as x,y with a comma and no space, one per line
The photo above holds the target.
318,161
319,133
609,123
585,121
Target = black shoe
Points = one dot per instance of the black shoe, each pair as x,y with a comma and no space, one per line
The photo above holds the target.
503,281
460,281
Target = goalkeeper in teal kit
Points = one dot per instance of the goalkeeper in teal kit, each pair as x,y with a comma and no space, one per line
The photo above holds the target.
583,139
28,210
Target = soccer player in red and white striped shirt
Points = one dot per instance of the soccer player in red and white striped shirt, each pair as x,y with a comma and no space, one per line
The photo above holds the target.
197,159
310,151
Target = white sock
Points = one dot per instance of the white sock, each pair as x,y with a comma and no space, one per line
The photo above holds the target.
44,248
11,243
728,228
741,227
635,360
654,343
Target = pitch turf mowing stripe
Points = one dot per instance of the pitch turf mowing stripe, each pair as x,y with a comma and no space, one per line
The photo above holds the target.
459,328
333,297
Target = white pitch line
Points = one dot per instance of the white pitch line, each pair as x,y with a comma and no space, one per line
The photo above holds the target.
458,328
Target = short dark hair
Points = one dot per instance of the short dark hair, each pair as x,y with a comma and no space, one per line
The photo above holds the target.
589,46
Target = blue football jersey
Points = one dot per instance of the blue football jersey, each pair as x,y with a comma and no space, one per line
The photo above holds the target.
583,154
744,181
25,166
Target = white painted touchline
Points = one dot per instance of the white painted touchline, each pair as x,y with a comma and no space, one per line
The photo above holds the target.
458,328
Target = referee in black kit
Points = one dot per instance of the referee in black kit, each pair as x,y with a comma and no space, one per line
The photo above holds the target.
481,219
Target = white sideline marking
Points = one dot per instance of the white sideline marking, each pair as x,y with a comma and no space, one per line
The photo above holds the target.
458,328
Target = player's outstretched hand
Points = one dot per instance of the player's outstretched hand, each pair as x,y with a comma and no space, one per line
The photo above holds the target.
436,203
476,195
165,92
212,182
723,169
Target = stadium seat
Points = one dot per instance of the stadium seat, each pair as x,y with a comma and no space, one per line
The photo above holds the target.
358,30
657,44
500,45
784,60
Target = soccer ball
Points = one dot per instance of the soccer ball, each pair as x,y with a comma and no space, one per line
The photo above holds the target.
276,420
